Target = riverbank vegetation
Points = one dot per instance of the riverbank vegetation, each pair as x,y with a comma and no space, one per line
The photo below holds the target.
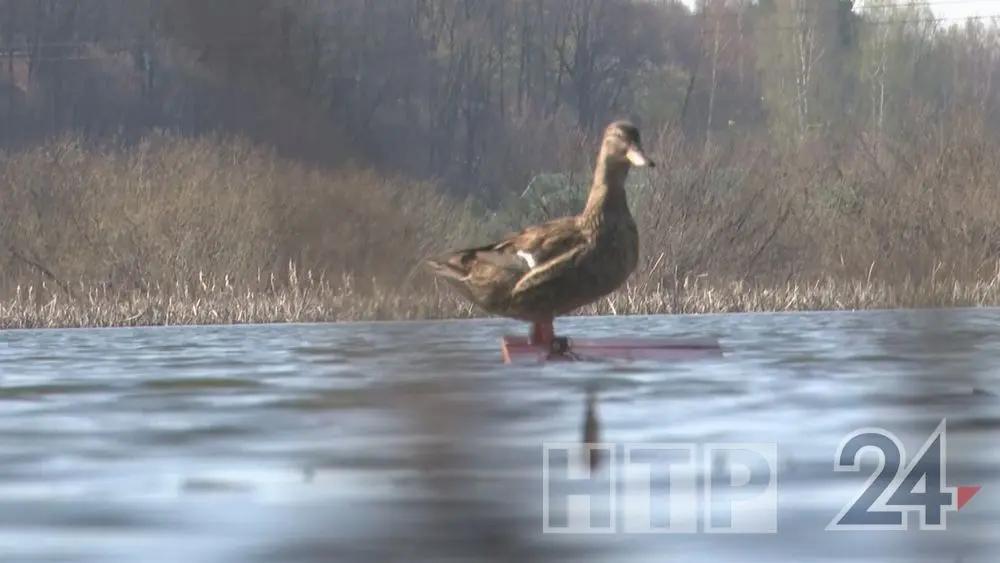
319,300
810,156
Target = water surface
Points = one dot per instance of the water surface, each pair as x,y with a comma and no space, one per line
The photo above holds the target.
413,442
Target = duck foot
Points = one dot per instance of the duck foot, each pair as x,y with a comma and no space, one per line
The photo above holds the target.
543,334
559,348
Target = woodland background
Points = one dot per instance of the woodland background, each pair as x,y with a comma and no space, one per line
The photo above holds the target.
268,143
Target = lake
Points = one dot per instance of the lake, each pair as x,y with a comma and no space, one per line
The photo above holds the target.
414,442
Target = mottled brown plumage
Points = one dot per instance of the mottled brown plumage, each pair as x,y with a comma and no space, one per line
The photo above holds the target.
551,269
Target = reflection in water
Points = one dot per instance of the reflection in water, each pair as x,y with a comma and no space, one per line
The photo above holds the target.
478,497
413,442
591,430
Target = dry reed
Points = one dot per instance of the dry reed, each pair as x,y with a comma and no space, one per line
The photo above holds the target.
174,230
294,300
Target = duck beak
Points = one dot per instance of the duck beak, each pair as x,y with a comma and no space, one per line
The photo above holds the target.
638,158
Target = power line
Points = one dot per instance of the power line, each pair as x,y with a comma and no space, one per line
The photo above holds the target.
916,3
877,23
897,4
862,20
28,48
867,9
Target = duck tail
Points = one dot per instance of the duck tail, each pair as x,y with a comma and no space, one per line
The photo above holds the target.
449,268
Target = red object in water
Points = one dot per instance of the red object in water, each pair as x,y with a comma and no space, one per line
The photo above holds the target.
966,493
518,349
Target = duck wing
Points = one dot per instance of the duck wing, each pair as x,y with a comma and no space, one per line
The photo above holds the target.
521,252
537,245
548,271
554,246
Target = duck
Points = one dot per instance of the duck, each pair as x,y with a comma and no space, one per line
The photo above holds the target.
551,269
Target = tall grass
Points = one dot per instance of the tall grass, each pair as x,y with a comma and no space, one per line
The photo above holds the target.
171,208
178,230
319,300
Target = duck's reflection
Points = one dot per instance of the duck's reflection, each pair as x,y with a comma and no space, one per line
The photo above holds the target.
473,490
486,496
591,430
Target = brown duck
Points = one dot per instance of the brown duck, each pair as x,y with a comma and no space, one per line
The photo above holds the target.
551,269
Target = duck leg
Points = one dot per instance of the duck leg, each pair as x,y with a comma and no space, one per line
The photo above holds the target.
542,333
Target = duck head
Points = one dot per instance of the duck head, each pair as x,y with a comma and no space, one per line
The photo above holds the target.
622,145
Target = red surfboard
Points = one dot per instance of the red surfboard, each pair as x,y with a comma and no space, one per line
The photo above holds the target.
516,349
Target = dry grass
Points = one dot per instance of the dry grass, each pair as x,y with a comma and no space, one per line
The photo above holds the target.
170,208
318,300
214,230
219,301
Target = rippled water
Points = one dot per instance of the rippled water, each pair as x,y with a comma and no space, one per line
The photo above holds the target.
412,441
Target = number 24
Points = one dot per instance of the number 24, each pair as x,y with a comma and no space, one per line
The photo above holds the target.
899,484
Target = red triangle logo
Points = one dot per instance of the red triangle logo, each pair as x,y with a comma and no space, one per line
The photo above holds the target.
966,493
